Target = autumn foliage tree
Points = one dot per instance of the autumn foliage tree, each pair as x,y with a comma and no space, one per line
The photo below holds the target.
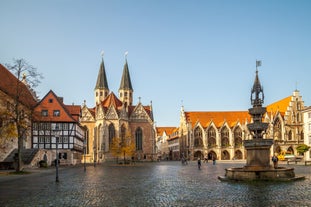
123,147
16,116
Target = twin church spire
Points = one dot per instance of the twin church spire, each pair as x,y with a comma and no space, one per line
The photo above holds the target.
125,90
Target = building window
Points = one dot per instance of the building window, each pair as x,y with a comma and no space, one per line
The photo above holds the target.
238,137
139,138
56,113
50,100
224,137
309,115
101,93
44,113
111,133
198,141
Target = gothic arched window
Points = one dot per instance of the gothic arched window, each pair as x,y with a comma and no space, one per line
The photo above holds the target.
290,135
123,133
139,138
198,141
238,137
277,130
111,133
211,137
224,137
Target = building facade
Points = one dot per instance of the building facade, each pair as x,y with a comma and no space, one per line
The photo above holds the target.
11,88
56,126
162,142
116,119
307,130
207,134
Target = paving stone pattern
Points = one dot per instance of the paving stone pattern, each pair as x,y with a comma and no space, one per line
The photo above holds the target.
150,184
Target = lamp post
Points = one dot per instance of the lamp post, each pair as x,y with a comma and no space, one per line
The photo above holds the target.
56,131
84,148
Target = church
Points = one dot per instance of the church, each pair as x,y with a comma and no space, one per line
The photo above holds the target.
115,127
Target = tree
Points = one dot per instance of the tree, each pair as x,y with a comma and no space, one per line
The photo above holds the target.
18,113
125,147
302,148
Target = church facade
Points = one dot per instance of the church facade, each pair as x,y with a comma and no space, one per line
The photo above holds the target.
116,128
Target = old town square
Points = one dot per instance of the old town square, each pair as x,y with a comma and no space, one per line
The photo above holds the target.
167,183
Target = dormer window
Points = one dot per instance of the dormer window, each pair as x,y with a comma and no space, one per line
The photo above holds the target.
50,100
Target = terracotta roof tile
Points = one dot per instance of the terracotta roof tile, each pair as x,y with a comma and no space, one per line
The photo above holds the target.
50,103
217,117
111,99
279,106
167,130
8,84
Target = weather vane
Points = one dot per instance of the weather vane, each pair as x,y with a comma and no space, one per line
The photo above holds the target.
125,54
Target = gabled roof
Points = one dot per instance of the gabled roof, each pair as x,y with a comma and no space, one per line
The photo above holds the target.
51,102
112,100
167,130
74,110
8,84
217,117
148,110
279,106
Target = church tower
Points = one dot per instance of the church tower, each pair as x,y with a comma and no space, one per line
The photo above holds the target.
101,89
126,89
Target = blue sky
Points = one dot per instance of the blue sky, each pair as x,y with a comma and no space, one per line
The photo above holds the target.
199,54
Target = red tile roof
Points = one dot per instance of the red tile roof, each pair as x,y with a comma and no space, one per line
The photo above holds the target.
279,106
68,113
167,130
8,84
112,100
217,117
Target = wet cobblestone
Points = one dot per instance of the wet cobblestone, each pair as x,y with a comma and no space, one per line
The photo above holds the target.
151,184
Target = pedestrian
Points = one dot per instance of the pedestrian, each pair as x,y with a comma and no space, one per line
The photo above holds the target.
214,160
199,163
275,160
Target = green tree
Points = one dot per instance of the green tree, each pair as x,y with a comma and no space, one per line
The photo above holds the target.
302,148
19,119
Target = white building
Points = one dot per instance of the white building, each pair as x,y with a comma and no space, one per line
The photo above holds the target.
306,112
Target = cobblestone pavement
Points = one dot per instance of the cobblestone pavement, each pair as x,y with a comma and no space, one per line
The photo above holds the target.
150,184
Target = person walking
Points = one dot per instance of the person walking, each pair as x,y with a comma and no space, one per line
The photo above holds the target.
199,163
275,160
214,160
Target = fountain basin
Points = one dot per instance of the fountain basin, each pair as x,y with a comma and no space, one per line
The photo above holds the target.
258,174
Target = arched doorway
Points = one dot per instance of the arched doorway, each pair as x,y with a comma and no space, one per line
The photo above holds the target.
225,155
238,155
198,154
212,154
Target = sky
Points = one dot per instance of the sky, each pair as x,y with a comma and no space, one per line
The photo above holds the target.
197,54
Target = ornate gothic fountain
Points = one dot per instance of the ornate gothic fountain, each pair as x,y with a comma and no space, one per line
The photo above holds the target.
258,153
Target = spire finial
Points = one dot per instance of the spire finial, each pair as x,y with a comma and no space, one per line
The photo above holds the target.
125,55
258,64
102,54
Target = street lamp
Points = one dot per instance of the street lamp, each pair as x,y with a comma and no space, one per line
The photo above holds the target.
84,147
56,134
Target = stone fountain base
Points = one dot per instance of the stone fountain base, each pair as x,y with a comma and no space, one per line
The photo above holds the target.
258,166
247,174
